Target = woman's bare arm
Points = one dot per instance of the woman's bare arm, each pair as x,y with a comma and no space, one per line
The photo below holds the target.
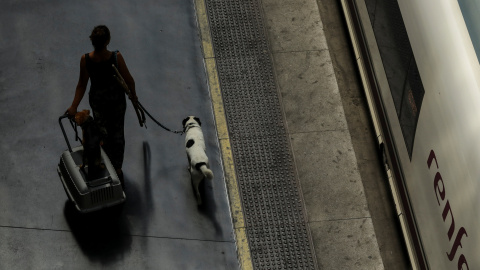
123,69
81,87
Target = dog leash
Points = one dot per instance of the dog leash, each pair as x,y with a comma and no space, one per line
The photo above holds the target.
139,109
158,123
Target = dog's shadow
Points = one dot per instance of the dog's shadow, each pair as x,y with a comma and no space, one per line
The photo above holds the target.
208,207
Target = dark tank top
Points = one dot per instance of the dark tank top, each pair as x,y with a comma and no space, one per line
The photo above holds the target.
103,87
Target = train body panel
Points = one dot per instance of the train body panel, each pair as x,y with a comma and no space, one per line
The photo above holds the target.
429,126
442,175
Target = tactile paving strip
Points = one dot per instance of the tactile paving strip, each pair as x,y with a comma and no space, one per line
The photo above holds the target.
274,217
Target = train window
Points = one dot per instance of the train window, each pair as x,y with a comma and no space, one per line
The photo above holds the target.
400,66
470,10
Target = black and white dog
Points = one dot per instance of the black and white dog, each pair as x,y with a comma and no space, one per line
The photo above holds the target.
197,158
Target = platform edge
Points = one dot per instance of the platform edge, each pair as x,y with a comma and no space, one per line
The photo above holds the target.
242,245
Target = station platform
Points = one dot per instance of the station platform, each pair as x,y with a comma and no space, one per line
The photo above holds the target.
298,182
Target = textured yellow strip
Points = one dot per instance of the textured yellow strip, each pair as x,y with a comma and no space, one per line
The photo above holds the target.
217,99
243,247
204,28
231,181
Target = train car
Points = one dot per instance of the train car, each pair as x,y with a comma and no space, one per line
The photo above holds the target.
419,63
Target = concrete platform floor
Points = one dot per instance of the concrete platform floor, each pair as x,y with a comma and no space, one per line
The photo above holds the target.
350,209
161,226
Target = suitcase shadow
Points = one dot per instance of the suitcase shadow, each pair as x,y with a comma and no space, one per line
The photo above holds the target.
103,236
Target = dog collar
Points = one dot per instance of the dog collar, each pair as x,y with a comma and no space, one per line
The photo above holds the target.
190,125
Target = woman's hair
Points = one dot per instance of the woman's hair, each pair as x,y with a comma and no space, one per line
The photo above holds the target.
100,36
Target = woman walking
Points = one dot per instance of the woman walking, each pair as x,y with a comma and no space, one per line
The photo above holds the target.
106,97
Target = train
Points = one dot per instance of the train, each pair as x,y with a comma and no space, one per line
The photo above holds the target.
420,67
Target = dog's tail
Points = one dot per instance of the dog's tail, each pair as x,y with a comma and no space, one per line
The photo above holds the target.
202,166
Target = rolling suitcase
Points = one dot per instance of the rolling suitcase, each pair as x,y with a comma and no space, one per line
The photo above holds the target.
87,196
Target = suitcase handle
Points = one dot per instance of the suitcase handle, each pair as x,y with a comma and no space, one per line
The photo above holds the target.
63,129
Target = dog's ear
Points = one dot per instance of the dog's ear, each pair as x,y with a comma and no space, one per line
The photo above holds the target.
198,120
185,121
